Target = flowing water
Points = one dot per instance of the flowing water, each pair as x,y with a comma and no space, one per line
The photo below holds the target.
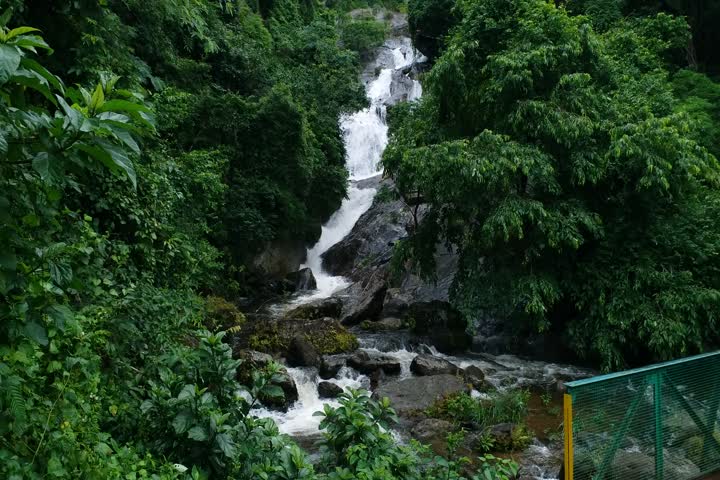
365,137
365,134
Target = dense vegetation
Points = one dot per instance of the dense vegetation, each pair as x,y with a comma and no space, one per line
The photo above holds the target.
572,166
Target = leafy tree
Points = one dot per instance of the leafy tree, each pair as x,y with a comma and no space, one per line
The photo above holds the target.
552,159
430,22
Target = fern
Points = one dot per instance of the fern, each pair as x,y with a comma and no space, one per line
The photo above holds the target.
12,391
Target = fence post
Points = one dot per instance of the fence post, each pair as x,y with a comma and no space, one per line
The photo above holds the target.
568,424
657,402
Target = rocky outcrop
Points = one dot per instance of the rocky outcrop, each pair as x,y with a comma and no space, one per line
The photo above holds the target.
444,326
302,280
326,307
426,365
273,335
418,393
363,300
280,258
302,353
367,364
329,390
370,243
476,377
384,325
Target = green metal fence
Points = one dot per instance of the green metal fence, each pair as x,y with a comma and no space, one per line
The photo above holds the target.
658,422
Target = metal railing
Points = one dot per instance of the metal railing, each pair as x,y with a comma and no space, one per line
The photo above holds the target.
658,422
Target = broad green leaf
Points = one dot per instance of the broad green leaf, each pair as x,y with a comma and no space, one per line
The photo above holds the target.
53,80
41,164
10,57
29,42
19,31
181,422
226,444
119,158
98,98
61,315
5,17
198,433
36,332
31,79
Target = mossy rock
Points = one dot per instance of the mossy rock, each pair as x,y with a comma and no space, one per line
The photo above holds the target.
327,335
220,314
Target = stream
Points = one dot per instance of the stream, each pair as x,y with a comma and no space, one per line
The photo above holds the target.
365,135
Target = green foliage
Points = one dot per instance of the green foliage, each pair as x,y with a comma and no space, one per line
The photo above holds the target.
362,34
501,407
553,158
430,21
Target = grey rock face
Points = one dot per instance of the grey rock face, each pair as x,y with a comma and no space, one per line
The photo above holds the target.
426,365
363,301
418,393
365,363
329,390
384,325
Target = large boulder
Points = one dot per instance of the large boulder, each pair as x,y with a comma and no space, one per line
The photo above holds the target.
363,300
370,243
325,307
280,258
329,390
418,393
476,377
632,465
302,280
425,365
384,325
273,335
366,363
302,353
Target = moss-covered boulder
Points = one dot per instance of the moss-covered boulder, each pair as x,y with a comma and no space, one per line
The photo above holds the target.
265,334
222,315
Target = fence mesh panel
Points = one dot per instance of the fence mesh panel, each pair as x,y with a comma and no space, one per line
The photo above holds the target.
659,422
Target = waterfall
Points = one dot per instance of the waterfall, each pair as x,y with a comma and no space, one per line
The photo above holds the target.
365,134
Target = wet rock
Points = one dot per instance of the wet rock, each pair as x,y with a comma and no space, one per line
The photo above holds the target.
429,365
632,465
326,307
418,393
302,280
302,353
476,377
329,390
290,393
384,325
366,363
433,432
363,301
251,360
502,435
329,367
370,243
280,258
395,303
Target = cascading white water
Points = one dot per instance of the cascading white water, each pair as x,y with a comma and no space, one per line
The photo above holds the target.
365,135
